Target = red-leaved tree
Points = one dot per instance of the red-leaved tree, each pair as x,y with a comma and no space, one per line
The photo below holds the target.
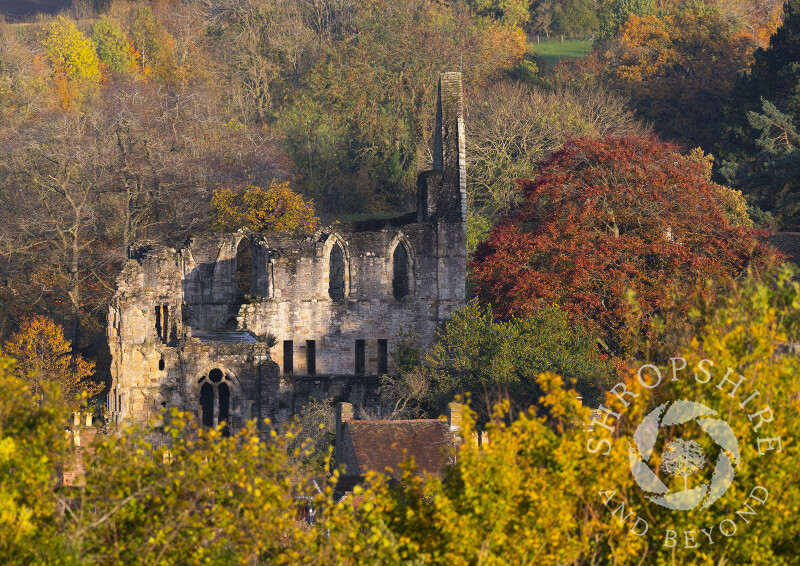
606,217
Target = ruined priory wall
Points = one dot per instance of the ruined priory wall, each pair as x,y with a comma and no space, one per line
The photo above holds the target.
144,325
301,308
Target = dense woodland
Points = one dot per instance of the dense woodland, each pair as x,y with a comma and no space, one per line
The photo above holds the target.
616,207
121,119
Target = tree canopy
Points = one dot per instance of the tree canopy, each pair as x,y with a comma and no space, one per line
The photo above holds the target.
606,218
277,209
476,354
676,68
44,360
758,141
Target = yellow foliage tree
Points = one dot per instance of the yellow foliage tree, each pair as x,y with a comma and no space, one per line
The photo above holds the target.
276,209
547,489
76,67
544,489
32,444
44,357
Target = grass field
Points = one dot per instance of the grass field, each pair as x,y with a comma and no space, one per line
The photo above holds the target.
554,51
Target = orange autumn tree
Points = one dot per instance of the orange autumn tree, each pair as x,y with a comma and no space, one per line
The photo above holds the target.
611,229
676,67
276,209
756,20
43,355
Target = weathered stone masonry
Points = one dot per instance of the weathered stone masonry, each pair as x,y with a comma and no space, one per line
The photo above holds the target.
186,327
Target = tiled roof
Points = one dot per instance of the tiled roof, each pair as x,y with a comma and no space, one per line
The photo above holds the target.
346,483
377,445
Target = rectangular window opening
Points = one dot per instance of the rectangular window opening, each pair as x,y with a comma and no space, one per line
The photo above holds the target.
383,356
360,358
165,325
162,322
288,356
311,357
158,321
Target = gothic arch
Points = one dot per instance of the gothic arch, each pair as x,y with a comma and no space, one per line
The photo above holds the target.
218,389
336,262
400,267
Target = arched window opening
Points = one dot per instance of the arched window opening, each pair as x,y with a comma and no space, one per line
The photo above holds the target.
215,400
336,274
207,404
400,277
231,324
244,268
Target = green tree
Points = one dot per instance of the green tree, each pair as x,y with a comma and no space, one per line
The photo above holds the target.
199,498
155,47
542,18
612,14
113,47
771,178
359,134
508,12
575,17
474,353
774,76
534,493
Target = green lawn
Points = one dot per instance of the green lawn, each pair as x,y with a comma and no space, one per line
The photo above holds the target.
554,51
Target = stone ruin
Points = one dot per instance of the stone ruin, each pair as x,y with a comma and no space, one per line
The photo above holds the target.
190,328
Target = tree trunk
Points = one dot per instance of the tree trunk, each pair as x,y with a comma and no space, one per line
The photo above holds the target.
75,290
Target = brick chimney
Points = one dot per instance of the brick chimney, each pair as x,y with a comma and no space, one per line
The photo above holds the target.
454,416
344,413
